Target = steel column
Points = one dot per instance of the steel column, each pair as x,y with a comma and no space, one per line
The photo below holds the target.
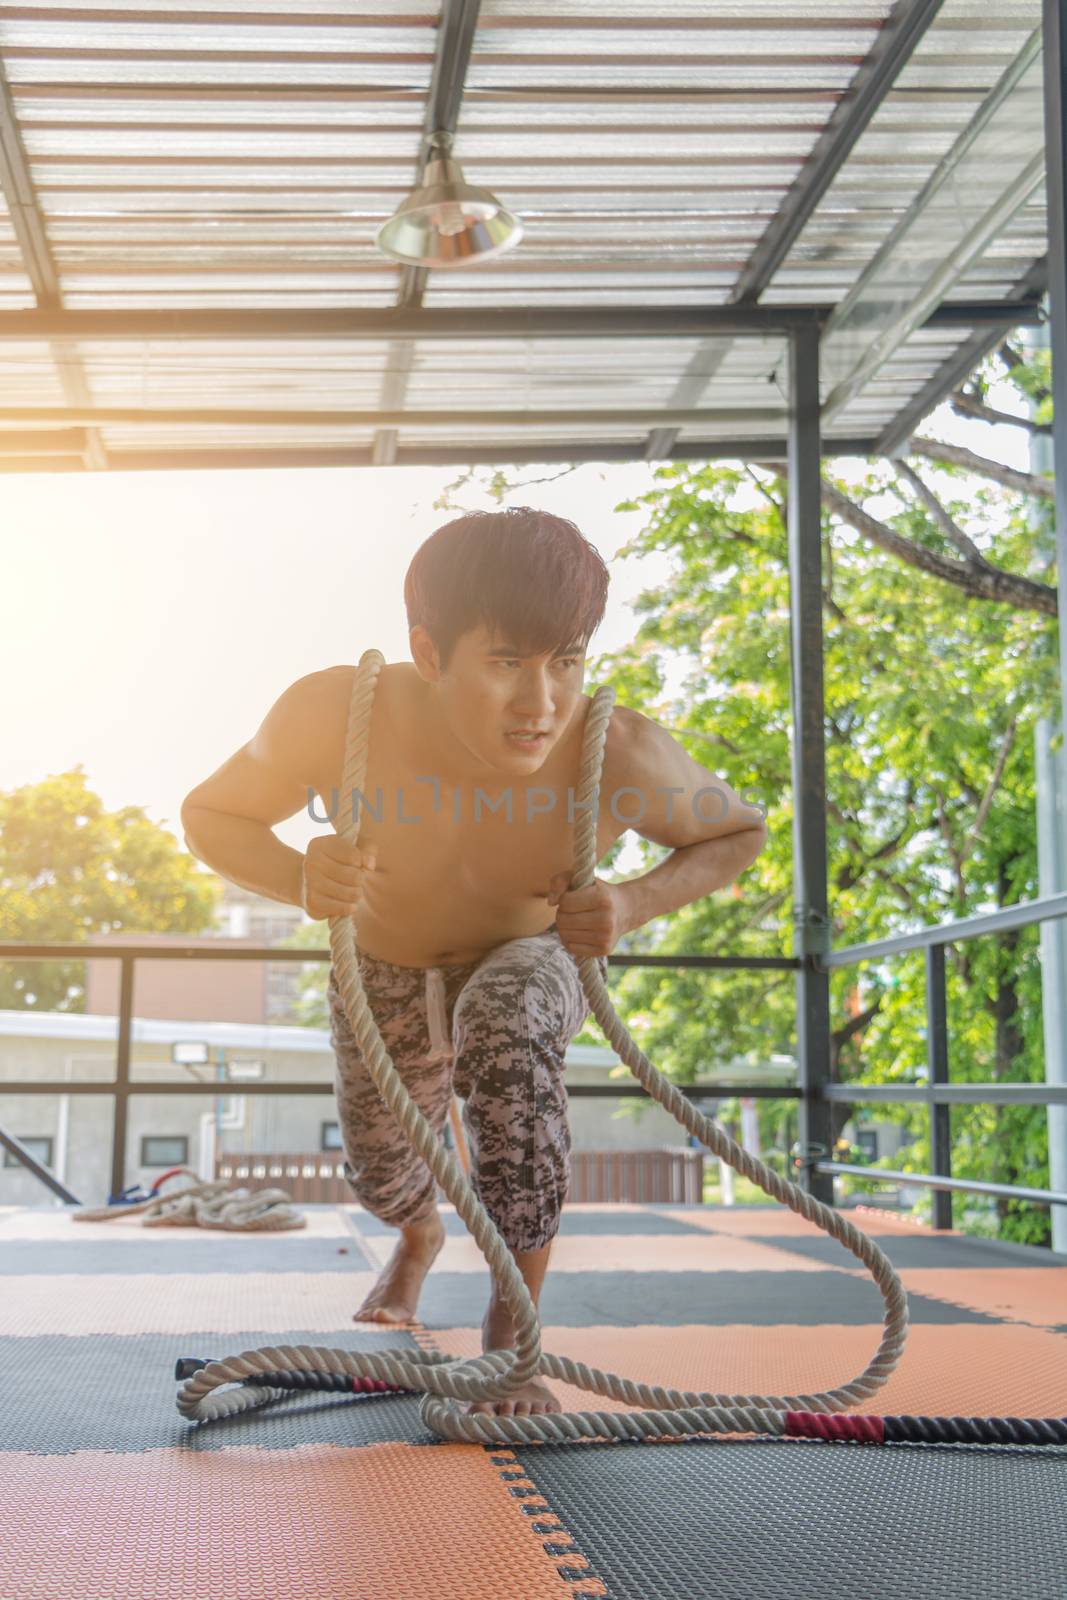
811,923
1055,63
122,1076
937,1073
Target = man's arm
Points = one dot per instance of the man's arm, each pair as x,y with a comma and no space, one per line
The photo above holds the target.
228,819
651,784
712,833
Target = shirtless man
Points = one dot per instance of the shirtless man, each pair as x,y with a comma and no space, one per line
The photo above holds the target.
473,985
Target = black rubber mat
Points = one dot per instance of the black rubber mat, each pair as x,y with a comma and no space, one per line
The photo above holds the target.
294,1251
63,1394
718,1299
765,1520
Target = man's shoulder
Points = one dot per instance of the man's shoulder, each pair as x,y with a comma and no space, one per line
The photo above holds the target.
333,685
328,696
626,746
314,697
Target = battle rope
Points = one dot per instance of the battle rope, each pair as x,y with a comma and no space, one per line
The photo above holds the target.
443,1381
796,1424
204,1205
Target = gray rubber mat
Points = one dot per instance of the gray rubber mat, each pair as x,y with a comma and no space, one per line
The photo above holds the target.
907,1253
294,1251
60,1394
765,1520
621,1222
718,1299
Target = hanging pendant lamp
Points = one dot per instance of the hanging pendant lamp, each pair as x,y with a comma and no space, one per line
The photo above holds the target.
447,222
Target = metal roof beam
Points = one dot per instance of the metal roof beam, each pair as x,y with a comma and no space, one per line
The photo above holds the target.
452,323
42,441
959,365
27,222
893,49
373,416
754,449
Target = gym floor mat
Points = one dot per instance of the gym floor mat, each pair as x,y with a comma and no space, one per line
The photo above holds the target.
108,1494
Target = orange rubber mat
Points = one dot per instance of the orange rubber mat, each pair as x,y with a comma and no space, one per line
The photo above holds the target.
1017,1293
312,1523
969,1371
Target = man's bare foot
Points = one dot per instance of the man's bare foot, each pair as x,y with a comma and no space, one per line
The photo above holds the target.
395,1297
534,1399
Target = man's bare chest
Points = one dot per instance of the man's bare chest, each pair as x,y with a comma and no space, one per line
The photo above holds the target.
493,841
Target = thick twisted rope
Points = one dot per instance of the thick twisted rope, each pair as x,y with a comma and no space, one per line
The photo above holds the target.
447,1383
207,1205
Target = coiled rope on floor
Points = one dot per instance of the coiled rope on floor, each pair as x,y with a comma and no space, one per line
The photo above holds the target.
204,1205
445,1383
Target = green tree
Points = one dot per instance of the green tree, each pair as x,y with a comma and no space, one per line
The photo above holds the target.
70,868
941,653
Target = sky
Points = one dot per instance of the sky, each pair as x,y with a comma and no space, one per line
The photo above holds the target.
148,621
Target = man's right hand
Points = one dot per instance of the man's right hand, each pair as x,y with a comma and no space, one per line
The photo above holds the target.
333,878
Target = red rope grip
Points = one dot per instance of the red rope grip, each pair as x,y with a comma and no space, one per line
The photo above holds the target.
816,1425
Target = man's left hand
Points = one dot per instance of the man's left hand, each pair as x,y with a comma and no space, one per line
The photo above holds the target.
591,920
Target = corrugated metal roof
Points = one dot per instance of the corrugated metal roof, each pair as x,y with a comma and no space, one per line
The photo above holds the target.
240,159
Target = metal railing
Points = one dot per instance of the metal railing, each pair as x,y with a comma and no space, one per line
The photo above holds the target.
121,1087
935,1090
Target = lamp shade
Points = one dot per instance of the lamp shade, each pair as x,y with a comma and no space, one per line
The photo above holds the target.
447,222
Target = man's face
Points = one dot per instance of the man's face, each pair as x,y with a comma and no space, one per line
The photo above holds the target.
489,695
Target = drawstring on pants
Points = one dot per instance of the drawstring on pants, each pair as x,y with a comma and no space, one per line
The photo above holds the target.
437,1016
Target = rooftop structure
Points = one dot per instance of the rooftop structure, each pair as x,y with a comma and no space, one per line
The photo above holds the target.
189,268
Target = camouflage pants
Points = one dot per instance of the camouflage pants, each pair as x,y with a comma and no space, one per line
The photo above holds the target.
494,1032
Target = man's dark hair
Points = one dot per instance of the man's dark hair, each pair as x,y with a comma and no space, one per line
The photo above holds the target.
530,577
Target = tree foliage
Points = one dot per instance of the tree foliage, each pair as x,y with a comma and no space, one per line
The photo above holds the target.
939,609
932,692
70,868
